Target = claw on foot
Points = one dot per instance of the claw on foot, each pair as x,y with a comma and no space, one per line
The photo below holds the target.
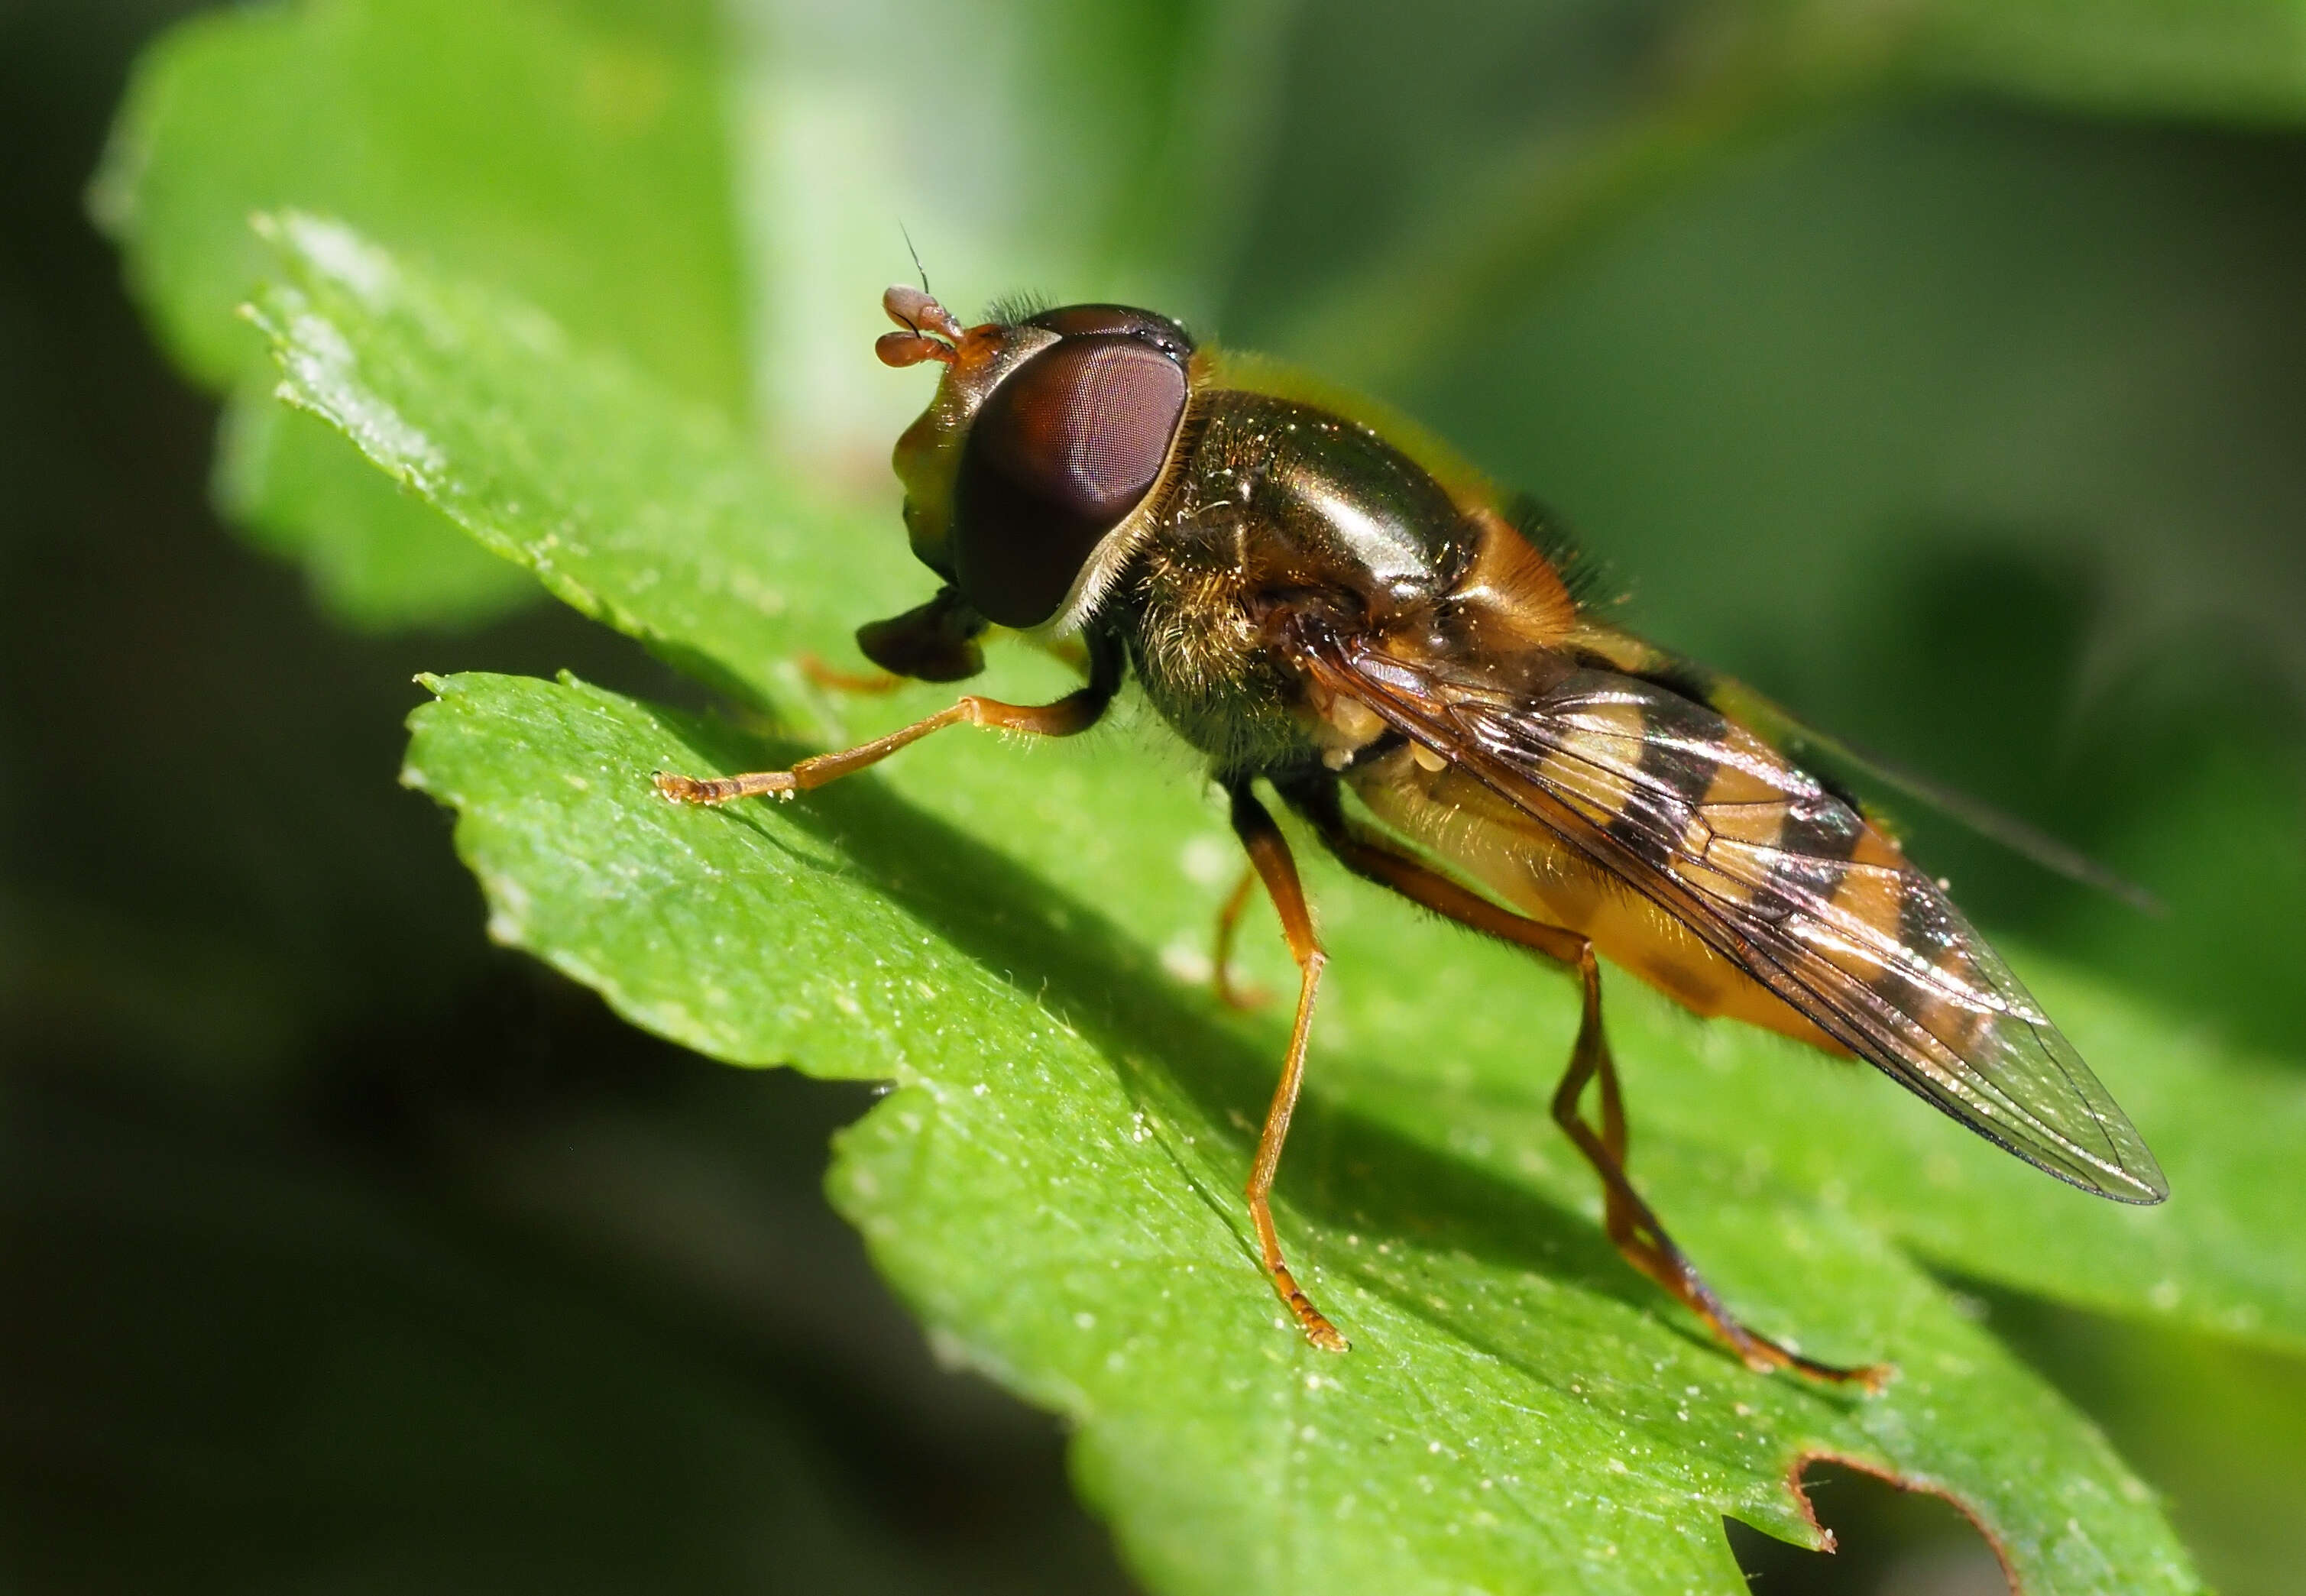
1316,1325
689,790
1871,1377
1764,1356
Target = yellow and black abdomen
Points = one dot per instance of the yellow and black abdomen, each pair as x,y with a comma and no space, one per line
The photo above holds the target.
1503,849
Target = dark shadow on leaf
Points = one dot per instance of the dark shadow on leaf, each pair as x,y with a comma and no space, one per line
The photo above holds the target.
1345,1171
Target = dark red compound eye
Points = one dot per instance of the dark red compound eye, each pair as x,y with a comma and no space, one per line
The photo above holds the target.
1072,322
1066,448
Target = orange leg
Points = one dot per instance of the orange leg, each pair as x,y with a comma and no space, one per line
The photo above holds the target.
834,678
1268,852
1076,711
1630,1222
1229,915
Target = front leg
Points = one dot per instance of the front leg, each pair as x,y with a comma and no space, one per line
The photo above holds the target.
1075,712
1268,852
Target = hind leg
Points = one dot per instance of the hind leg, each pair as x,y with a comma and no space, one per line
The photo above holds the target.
1630,1223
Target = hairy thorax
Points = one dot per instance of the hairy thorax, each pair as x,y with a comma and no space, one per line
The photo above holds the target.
1279,505
1198,637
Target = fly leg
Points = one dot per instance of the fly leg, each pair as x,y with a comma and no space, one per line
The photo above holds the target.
1268,852
1634,1226
1076,711
1229,913
1630,1223
833,678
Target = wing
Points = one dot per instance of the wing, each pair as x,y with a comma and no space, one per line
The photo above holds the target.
1756,857
1799,741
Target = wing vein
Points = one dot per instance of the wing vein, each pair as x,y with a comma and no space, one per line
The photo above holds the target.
1781,877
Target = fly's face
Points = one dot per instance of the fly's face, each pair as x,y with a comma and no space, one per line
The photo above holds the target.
1045,437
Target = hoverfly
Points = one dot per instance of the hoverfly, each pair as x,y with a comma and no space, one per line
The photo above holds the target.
1321,597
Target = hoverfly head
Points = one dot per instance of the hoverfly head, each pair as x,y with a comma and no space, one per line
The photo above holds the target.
1045,434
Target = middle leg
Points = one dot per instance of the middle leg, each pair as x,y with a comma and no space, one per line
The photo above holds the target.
1230,992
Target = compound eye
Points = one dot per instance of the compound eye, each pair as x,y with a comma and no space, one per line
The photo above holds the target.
1065,448
1071,321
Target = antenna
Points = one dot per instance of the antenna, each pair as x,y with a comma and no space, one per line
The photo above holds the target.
913,250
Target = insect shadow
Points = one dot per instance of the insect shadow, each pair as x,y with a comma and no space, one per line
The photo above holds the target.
1350,1172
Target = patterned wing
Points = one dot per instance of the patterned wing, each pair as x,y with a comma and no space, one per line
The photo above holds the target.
1832,756
1755,857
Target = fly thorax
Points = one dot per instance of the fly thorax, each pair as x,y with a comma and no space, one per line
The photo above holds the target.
1197,645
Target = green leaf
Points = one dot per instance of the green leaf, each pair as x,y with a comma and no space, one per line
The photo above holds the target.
2214,1425
522,142
662,536
1053,1185
378,558
575,150
581,151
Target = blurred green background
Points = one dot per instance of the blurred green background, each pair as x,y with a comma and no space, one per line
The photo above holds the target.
343,1251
